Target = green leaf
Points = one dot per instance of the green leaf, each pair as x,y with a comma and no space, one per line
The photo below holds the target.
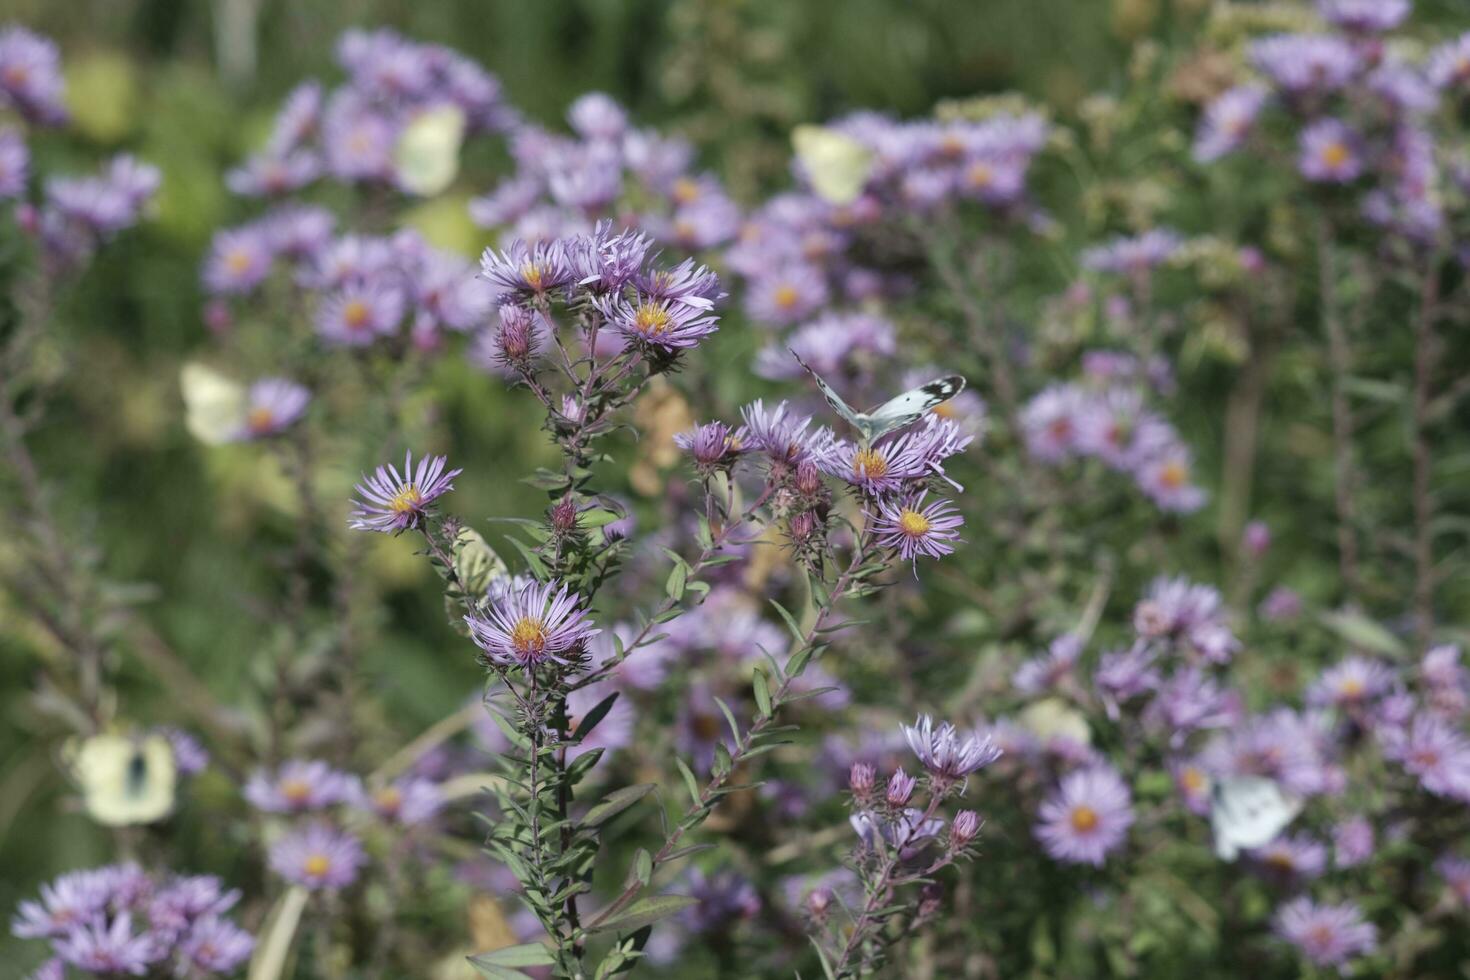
689,781
645,912
496,972
796,632
597,517
526,954
1363,633
762,693
677,579
730,717
616,802
589,721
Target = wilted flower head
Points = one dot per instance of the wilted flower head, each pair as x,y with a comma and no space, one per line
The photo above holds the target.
390,502
318,856
713,445
1086,817
1328,935
948,756
541,622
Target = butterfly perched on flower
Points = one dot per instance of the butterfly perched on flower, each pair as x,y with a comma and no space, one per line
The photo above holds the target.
894,414
1248,812
837,165
125,779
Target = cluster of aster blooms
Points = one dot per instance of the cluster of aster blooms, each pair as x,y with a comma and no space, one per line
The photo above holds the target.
317,850
352,133
73,215
1358,109
800,253
1167,697
892,477
1106,416
608,169
121,921
903,838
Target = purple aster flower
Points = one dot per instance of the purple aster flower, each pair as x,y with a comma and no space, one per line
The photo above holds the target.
1228,122
531,270
409,801
390,502
1364,16
1050,423
1456,873
1048,671
1293,749
1255,539
831,345
52,969
110,948
1086,817
1180,611
900,788
15,161
1281,604
1351,684
712,220
357,139
1125,674
786,295
273,405
913,529
175,906
908,831
1296,858
300,232
687,283
1352,842
1306,63
781,434
1434,752
713,446
540,622
948,757
724,898
1449,64
216,945
604,262
1167,480
1403,88
298,786
30,75
1445,680
239,260
964,829
190,755
1193,784
659,323
299,117
887,466
1134,256
1329,153
318,856
1328,935
1189,701
597,116
270,175
587,179
360,314
74,898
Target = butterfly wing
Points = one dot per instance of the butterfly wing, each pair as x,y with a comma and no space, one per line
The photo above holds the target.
837,165
853,417
910,406
426,156
125,780
214,405
1248,812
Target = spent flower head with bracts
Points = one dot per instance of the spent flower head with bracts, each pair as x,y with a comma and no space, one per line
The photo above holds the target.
390,502
540,622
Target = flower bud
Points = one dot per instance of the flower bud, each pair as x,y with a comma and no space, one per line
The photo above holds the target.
900,788
802,526
515,342
808,479
964,829
564,516
860,779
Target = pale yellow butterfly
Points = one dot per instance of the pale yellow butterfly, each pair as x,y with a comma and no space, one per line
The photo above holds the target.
125,780
214,405
426,157
837,165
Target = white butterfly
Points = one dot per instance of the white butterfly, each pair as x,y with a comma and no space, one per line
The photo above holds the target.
125,780
1247,812
214,405
426,156
837,165
893,414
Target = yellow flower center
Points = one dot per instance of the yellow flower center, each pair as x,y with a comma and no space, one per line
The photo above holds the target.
1084,819
685,190
1173,475
1351,688
295,790
913,523
406,500
238,261
951,146
1335,155
651,319
979,175
533,274
945,410
356,314
1321,935
868,464
786,296
1281,861
317,865
528,636
388,799
16,75
260,419
1193,779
